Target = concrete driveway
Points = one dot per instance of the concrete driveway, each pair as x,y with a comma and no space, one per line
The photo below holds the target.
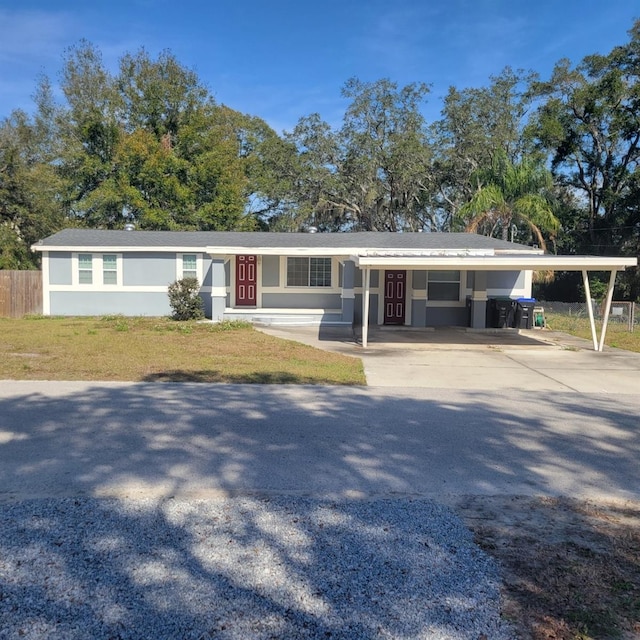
459,359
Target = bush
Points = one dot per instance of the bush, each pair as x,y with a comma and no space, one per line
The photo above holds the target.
184,299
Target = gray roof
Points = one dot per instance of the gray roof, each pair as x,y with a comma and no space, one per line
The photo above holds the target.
255,240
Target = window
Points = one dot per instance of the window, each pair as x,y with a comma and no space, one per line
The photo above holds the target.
88,268
443,285
308,272
109,269
189,265
85,268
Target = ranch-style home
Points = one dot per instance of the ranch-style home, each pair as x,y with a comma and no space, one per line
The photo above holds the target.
411,279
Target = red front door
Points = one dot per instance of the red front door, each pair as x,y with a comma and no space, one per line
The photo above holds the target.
394,295
246,277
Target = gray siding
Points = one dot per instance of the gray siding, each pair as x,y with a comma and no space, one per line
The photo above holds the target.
374,278
60,268
418,314
207,304
96,303
419,280
447,317
301,300
270,271
373,309
206,272
144,269
506,280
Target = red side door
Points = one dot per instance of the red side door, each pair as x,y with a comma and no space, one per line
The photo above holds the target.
395,286
246,277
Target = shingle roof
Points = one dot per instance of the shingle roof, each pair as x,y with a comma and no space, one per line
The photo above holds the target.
256,240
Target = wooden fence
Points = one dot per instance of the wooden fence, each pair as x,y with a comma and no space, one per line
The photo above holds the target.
20,293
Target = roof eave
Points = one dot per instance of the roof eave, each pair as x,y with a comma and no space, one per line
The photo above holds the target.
117,248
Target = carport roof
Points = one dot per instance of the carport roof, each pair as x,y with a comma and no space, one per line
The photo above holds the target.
496,261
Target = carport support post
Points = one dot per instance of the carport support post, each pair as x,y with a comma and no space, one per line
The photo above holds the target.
607,308
592,323
365,306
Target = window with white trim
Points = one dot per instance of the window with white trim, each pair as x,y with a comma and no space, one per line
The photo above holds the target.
99,270
443,286
308,272
189,265
109,269
85,268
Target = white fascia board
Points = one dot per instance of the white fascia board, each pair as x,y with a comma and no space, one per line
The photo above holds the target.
500,263
528,251
279,251
424,253
118,249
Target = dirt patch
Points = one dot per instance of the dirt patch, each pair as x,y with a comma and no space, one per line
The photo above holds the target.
571,568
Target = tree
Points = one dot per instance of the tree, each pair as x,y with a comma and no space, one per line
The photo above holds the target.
148,146
90,129
29,206
510,194
160,96
372,174
477,126
590,123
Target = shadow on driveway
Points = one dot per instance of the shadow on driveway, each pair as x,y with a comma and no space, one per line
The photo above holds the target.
272,562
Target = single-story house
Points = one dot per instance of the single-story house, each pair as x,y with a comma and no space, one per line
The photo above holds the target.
412,279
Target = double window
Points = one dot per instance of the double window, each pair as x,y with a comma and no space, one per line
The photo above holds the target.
98,269
443,286
308,272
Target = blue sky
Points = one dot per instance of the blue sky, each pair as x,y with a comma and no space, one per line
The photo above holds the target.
284,59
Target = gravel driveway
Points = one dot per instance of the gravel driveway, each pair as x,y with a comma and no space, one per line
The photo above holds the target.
242,568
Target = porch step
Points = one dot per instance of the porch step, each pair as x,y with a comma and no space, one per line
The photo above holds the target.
296,320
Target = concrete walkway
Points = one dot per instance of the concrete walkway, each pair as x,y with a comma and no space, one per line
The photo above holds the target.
459,359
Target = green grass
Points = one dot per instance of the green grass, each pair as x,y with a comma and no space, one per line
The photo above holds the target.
160,349
618,334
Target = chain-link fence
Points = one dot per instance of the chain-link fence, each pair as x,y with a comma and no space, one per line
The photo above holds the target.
622,313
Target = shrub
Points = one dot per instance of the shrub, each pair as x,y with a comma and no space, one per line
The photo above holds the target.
184,299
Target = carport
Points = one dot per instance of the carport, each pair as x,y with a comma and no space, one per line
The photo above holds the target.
499,261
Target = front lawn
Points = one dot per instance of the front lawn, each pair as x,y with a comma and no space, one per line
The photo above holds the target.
163,350
618,334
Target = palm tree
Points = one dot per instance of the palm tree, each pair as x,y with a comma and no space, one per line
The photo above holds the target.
511,194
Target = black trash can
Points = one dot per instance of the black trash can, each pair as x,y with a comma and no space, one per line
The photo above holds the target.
524,313
501,312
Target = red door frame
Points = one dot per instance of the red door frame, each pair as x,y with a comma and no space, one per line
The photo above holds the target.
246,281
395,290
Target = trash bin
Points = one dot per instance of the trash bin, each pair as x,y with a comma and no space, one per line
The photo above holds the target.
501,312
524,313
